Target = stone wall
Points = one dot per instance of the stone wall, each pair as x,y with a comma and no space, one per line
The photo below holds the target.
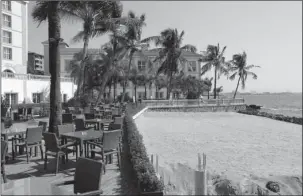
295,120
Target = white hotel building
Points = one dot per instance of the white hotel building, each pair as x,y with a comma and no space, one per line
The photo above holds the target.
14,36
16,84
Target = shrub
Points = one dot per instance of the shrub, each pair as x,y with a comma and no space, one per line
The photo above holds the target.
143,170
127,98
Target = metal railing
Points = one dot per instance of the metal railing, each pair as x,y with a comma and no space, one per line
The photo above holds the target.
32,77
194,102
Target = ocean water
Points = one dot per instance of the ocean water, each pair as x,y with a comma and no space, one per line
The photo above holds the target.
286,104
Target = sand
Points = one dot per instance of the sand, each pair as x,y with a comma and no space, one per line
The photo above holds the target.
243,151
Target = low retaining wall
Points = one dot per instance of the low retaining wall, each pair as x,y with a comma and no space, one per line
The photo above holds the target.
280,117
206,108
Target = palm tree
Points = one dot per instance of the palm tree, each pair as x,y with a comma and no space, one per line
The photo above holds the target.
109,66
134,77
131,40
49,11
218,90
213,57
170,53
99,17
160,82
238,65
76,71
208,82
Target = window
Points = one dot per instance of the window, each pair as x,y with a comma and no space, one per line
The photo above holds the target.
37,97
64,98
7,5
11,98
7,20
192,66
7,37
7,53
141,65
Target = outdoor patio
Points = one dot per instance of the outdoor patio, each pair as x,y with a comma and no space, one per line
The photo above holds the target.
32,178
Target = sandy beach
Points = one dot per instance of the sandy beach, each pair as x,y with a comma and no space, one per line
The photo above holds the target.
240,148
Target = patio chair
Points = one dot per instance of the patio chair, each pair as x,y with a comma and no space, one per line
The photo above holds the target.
29,113
89,116
67,128
113,126
33,139
115,111
67,118
52,148
107,114
4,147
43,124
21,112
118,119
87,178
108,146
80,125
86,110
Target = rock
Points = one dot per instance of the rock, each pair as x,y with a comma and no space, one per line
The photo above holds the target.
273,186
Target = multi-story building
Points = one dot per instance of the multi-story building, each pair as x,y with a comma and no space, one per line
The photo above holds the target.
14,36
35,63
193,68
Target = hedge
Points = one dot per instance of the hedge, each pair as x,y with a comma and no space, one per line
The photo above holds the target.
295,120
142,169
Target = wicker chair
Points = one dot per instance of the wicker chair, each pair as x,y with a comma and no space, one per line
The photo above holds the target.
33,139
67,118
52,148
4,147
108,146
80,126
87,179
67,128
43,125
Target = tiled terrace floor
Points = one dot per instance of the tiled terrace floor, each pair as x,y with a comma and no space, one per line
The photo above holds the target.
19,169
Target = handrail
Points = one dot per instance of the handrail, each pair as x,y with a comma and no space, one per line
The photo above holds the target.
182,102
32,77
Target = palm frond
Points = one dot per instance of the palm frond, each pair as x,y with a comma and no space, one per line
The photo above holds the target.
78,37
205,68
233,76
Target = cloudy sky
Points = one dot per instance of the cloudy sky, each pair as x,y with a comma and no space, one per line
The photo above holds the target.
270,33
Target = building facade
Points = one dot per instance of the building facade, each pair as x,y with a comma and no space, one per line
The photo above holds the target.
35,63
193,68
14,41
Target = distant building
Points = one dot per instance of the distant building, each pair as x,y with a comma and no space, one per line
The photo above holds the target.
193,68
14,41
35,63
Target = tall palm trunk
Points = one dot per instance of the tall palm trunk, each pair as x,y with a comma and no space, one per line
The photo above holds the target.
135,92
157,92
109,91
82,66
208,94
115,89
215,84
145,92
169,85
237,87
103,86
54,28
126,77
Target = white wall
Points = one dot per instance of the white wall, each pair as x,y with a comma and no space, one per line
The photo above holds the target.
25,88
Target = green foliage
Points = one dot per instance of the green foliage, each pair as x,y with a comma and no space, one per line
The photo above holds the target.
193,95
127,98
4,106
142,167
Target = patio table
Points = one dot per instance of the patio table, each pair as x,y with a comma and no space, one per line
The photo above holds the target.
82,136
98,122
34,186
